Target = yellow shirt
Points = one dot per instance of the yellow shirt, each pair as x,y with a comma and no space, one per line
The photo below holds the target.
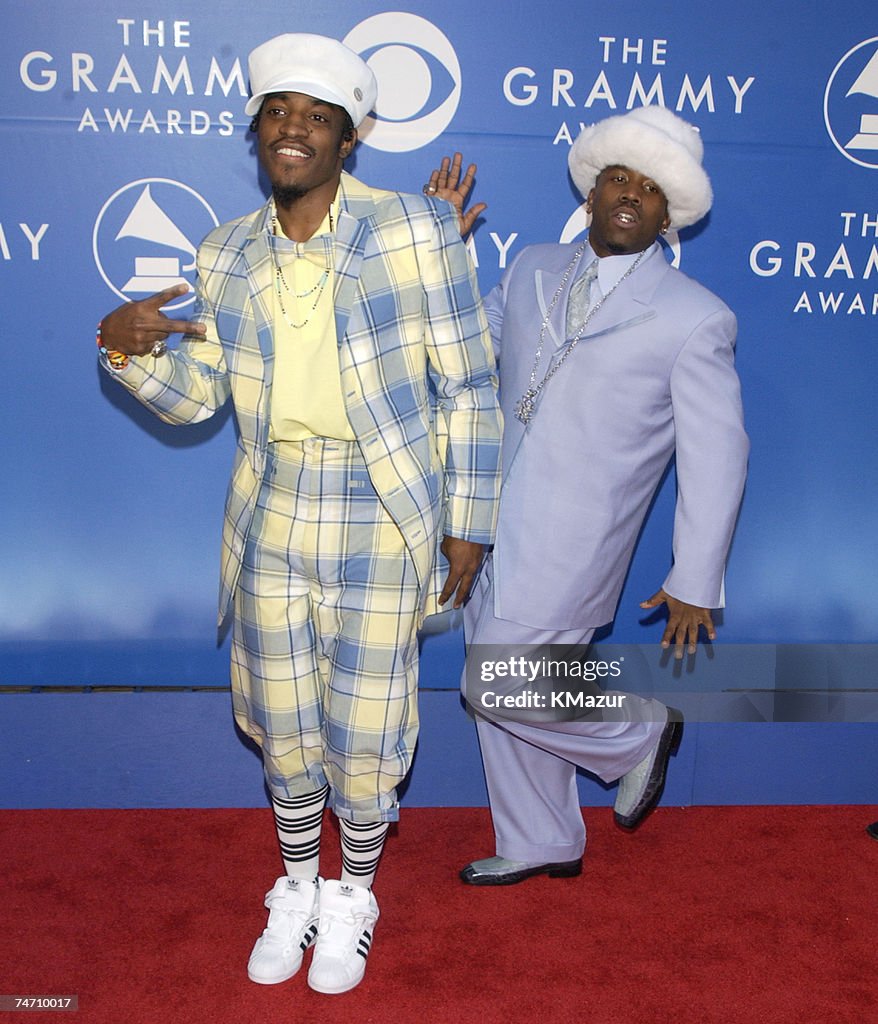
306,397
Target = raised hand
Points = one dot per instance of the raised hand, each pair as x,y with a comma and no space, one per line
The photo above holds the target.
446,183
684,621
135,327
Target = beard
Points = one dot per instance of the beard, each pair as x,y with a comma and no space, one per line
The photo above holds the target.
286,195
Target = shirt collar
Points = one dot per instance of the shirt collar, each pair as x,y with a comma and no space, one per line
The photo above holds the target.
611,269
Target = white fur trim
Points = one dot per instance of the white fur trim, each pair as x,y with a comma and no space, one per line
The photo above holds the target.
656,143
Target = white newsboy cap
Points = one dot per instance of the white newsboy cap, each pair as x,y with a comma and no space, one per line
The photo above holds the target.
658,144
315,65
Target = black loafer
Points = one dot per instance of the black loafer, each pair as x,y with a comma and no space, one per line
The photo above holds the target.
499,871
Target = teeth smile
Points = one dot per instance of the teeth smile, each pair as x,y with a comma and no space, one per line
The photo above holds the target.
288,151
626,218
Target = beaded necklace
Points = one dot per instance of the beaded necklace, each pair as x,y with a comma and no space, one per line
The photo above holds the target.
280,281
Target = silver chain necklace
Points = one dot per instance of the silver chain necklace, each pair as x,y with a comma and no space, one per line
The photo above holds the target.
526,405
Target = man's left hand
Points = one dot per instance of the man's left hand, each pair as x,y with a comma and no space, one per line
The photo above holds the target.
683,622
446,183
464,558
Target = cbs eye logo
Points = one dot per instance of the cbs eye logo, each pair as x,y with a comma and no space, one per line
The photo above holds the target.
418,77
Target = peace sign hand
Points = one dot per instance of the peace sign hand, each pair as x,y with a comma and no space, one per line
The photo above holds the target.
135,327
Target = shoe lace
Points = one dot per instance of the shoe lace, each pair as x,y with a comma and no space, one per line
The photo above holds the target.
339,930
281,916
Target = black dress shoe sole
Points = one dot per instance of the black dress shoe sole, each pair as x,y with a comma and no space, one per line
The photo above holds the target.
669,743
566,869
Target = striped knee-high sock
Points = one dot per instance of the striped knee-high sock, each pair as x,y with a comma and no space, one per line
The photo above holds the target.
361,846
298,821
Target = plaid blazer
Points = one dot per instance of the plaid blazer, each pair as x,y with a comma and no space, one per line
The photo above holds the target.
417,371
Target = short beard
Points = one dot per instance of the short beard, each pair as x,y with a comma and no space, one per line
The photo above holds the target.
286,195
615,249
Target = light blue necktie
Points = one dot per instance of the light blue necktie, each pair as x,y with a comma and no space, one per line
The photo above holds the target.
578,303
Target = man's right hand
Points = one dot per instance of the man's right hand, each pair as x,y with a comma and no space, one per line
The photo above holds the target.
134,327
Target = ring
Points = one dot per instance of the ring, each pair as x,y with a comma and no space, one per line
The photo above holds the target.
159,349
429,189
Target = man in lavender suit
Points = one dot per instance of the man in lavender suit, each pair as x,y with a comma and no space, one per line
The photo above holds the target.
611,362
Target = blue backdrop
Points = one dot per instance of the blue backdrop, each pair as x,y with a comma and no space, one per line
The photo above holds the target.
124,141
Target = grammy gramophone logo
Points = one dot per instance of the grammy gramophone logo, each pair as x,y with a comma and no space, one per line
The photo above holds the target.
850,104
146,235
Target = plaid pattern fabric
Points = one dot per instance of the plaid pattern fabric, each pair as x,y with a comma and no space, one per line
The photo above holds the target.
324,652
415,359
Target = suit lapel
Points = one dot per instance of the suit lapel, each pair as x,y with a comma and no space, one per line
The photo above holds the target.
260,277
547,283
356,215
631,302
259,267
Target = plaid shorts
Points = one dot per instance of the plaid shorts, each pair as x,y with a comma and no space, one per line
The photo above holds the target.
324,649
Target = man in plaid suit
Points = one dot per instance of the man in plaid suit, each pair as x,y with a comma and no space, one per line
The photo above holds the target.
345,324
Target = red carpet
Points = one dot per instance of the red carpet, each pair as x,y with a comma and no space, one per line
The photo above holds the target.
705,915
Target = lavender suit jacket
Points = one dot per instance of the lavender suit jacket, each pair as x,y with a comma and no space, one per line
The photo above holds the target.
653,376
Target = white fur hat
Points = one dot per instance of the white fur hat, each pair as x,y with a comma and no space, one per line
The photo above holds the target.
655,142
315,65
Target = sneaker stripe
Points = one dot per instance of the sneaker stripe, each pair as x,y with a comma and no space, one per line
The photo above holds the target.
308,937
364,944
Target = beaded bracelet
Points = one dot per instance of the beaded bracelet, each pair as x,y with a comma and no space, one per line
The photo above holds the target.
117,360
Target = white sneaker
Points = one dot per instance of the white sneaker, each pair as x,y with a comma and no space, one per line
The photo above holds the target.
347,916
292,926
